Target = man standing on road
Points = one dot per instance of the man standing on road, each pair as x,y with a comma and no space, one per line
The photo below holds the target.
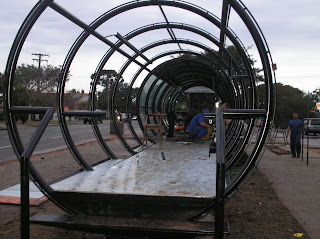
295,126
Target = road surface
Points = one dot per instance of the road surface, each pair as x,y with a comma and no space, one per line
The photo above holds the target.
52,139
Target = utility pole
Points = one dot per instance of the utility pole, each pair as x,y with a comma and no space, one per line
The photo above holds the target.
39,60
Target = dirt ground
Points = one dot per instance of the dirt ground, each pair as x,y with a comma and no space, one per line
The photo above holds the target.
254,212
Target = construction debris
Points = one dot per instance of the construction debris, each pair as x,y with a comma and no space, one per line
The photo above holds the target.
278,150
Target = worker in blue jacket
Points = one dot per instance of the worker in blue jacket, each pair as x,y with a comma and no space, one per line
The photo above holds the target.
295,126
198,127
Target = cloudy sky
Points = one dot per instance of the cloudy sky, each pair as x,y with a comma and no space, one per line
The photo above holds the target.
292,30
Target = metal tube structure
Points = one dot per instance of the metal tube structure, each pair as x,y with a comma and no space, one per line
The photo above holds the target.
154,73
24,165
220,175
220,200
24,208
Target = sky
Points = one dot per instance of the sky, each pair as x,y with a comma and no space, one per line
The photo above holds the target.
291,28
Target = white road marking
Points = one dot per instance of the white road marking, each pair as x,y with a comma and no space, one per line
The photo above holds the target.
6,147
57,137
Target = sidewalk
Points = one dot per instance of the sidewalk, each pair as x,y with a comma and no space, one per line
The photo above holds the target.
297,185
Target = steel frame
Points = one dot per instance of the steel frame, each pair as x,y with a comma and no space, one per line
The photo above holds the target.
234,84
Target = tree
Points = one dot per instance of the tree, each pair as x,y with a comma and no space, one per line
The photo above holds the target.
106,83
74,100
289,100
39,82
21,97
232,50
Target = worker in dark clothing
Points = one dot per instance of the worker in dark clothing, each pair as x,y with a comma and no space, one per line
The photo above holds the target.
198,127
295,126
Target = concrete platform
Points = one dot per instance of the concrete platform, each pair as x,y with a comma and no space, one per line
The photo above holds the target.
176,170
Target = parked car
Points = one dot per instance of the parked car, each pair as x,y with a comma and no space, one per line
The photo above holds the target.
312,126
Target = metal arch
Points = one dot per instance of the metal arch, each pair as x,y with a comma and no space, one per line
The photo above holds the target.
229,137
111,52
156,96
263,50
90,30
178,59
160,66
268,80
8,96
138,101
122,70
146,103
182,59
127,103
190,8
235,40
22,34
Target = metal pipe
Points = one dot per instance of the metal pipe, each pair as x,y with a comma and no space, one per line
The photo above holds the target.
219,204
121,38
220,134
224,24
35,138
169,29
84,113
24,207
220,175
91,30
29,109
238,113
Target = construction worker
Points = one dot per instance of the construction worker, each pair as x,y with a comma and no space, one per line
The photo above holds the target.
198,128
295,126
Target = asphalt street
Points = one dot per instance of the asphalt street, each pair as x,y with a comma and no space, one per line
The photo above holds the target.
52,139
